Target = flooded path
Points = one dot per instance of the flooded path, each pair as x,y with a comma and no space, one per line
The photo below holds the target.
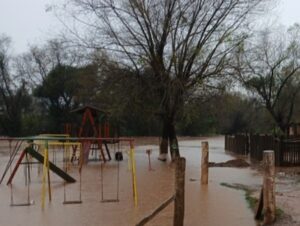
211,205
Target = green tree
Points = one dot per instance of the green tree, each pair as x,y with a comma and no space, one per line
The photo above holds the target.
224,112
57,93
51,71
128,98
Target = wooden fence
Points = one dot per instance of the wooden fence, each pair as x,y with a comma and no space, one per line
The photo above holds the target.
177,198
290,153
287,151
259,143
238,144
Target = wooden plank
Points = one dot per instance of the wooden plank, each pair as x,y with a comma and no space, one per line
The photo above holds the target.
156,211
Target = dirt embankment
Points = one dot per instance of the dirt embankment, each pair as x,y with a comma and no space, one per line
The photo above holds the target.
239,163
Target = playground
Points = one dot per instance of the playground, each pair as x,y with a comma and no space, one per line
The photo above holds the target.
154,186
104,194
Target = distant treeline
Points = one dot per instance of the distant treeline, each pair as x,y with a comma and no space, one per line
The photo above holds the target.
40,88
129,101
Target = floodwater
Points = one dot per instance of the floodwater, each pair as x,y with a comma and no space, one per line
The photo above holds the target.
210,205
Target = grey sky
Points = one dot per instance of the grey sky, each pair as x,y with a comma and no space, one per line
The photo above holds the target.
26,21
288,11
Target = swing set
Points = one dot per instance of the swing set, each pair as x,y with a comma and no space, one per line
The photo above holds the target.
118,158
39,147
66,165
27,183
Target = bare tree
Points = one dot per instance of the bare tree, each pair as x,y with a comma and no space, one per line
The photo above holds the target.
51,71
36,64
14,97
184,42
268,65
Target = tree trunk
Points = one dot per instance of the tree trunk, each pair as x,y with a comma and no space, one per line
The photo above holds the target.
169,138
174,149
282,125
164,139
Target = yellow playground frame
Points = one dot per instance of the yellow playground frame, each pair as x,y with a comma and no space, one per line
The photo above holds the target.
49,141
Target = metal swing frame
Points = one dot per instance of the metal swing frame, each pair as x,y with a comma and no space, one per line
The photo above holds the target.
12,155
27,183
65,161
103,199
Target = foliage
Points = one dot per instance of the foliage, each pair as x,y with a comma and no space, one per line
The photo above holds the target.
132,100
269,67
57,94
225,113
129,99
184,43
14,97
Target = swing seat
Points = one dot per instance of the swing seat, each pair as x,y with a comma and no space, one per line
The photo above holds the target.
22,204
72,202
110,200
119,156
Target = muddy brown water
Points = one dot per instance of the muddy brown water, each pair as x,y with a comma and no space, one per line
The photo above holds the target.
211,205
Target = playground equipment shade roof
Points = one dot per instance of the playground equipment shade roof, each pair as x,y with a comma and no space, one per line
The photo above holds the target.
94,110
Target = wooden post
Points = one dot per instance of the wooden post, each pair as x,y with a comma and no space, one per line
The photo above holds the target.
179,192
269,187
149,151
204,163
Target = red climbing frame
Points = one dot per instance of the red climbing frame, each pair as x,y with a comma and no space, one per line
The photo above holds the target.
88,127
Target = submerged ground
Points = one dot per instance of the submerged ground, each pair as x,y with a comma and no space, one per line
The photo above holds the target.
210,205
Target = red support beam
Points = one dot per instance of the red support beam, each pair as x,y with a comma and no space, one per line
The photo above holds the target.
16,167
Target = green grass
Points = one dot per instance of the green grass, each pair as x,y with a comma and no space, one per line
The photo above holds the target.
251,201
234,186
279,212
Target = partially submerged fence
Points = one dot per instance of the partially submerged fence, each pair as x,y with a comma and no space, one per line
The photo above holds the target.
287,151
238,144
177,198
259,143
290,153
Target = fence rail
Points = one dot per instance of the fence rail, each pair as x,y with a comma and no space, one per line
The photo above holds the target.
290,153
238,144
177,198
287,151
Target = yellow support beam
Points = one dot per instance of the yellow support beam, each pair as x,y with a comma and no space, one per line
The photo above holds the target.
133,171
45,172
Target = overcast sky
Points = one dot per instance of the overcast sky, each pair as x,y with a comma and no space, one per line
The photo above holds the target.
26,21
